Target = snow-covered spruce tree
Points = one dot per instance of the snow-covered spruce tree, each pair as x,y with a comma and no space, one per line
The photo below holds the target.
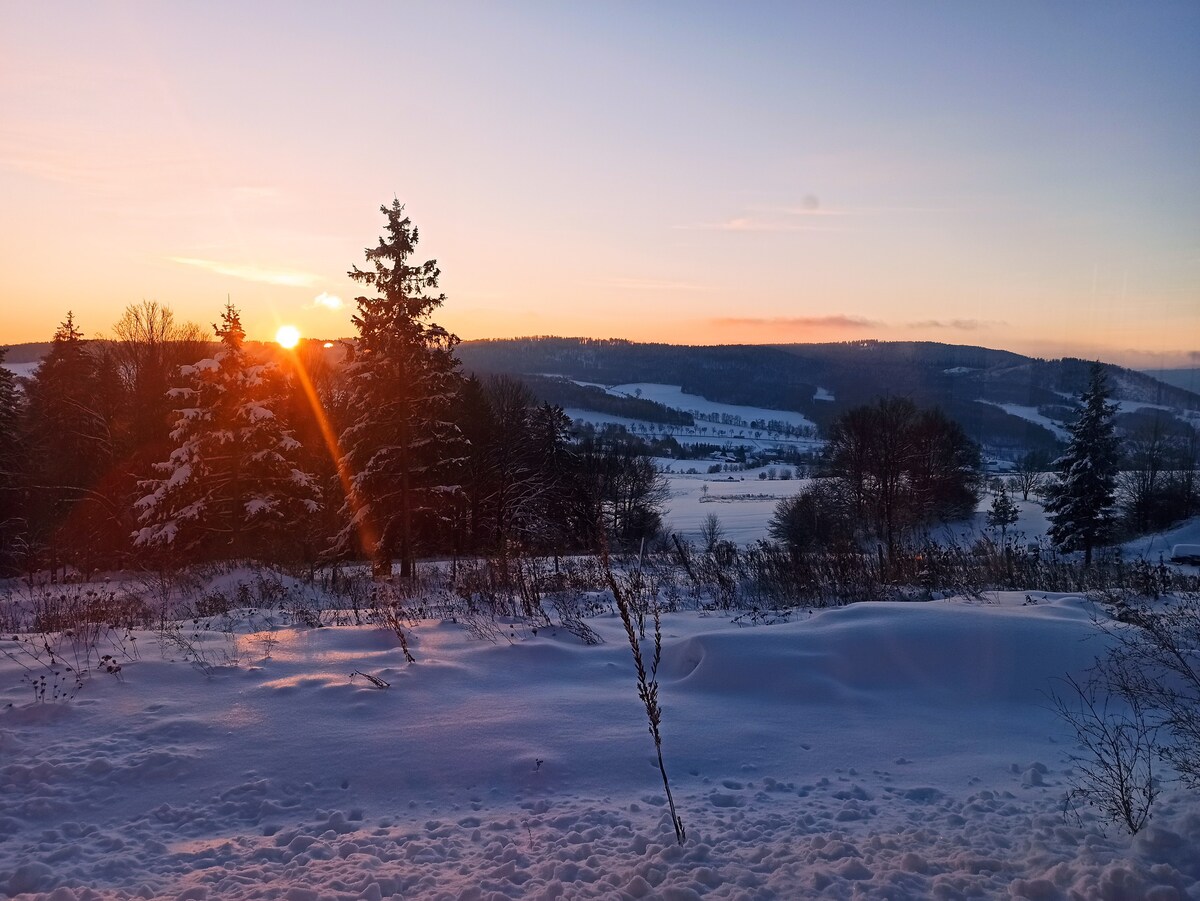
401,444
1081,500
231,484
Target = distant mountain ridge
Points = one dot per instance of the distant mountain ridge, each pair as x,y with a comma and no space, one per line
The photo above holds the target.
1003,399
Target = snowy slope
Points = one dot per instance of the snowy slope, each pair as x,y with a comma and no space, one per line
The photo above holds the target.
675,397
878,751
1031,414
705,431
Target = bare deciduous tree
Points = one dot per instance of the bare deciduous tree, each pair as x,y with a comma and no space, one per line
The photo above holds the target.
1140,703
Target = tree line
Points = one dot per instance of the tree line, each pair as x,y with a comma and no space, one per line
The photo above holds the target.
166,446
890,470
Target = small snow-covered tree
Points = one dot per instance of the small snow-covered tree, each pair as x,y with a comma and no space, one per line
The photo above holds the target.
231,483
1081,500
1003,512
401,444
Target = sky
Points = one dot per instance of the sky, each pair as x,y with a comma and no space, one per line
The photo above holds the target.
1014,175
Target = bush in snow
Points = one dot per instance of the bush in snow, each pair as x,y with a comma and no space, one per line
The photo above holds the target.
1140,704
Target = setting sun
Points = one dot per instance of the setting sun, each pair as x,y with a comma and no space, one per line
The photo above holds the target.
288,336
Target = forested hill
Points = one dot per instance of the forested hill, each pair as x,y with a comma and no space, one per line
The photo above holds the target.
972,384
25,353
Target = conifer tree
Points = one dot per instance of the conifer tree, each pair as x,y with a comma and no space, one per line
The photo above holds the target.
69,444
1003,512
402,443
12,526
232,482
1080,501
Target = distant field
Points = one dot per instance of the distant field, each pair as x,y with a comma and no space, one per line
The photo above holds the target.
22,369
674,396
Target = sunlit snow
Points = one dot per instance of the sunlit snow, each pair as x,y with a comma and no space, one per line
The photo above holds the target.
878,750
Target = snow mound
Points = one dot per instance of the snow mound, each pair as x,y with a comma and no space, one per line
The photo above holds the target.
877,751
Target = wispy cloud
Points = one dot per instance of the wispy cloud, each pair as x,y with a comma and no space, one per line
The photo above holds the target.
758,224
656,284
835,321
326,301
963,325
810,214
287,278
801,217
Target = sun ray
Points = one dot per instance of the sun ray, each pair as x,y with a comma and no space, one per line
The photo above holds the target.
368,535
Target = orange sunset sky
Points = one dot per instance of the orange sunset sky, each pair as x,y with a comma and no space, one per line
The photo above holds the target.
1019,175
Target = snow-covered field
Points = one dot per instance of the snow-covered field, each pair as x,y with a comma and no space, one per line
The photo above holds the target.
744,505
25,370
877,751
675,397
704,431
1031,414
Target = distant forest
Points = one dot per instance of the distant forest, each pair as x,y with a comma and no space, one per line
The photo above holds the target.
967,383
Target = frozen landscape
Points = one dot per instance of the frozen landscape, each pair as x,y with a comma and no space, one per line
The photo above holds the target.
708,428
876,750
638,451
266,741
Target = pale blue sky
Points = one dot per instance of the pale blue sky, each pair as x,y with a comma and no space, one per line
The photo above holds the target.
1021,175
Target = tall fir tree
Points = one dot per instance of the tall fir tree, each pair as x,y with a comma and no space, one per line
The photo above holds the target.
232,483
12,459
69,448
402,445
1080,502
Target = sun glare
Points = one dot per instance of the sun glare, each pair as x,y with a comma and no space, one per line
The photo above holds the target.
288,336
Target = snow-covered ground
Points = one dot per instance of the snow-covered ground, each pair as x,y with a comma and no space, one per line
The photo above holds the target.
744,505
877,751
675,397
1159,544
708,433
25,370
1030,526
704,431
1031,414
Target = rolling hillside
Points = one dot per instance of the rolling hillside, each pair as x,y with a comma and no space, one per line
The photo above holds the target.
1006,401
